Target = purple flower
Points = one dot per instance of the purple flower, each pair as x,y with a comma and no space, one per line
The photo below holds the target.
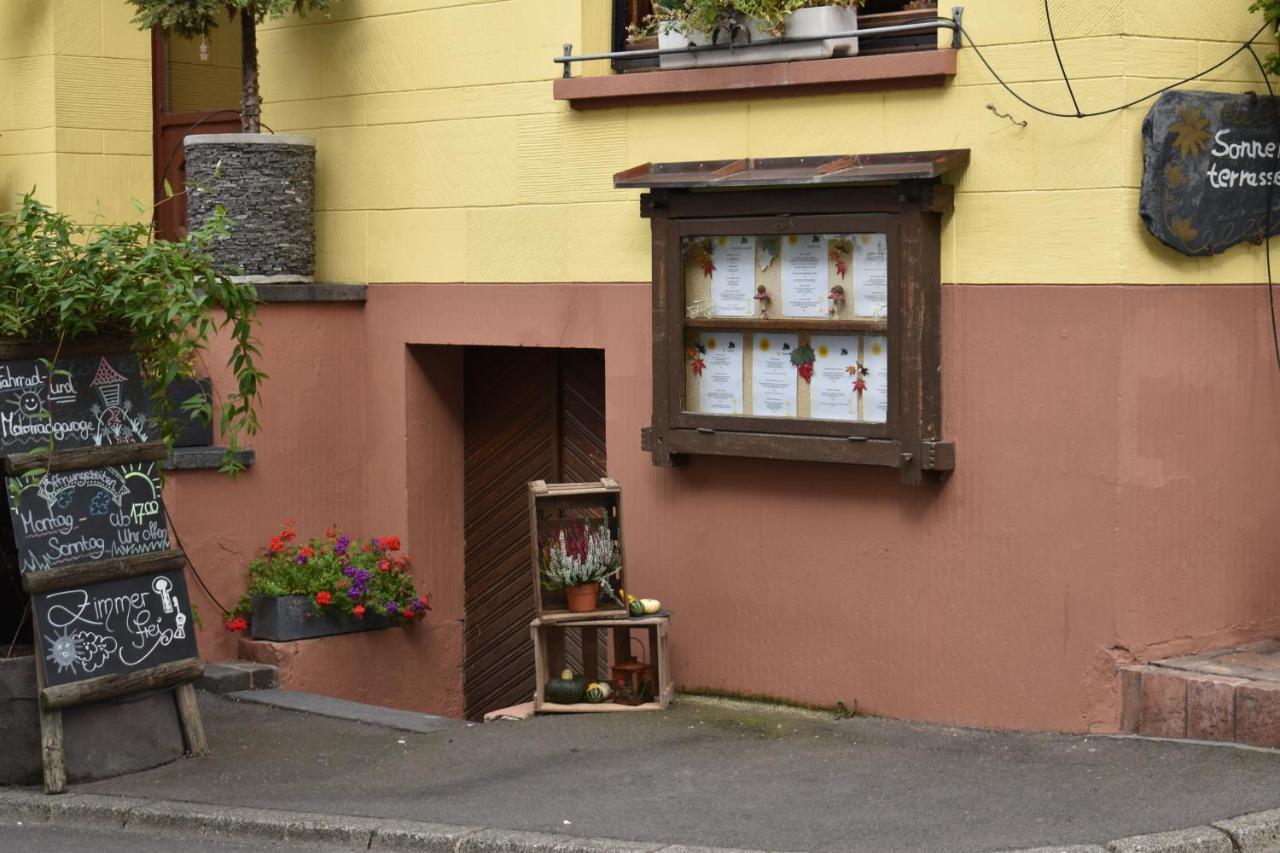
391,608
300,560
375,542
349,571
342,545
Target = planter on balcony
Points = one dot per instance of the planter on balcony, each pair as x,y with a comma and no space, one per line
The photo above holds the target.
296,617
763,46
266,182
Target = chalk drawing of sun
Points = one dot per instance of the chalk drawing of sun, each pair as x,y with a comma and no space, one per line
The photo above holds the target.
29,402
62,651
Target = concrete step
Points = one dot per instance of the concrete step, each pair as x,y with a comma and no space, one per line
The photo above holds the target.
1228,695
237,676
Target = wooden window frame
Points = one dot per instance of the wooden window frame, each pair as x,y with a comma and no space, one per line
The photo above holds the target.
909,213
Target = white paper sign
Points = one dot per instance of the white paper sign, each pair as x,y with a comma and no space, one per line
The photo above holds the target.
875,400
733,284
870,275
804,275
831,396
720,387
773,376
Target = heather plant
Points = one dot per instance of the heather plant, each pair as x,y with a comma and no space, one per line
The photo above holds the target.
580,554
338,573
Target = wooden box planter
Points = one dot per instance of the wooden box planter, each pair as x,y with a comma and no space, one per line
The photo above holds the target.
549,658
553,506
296,617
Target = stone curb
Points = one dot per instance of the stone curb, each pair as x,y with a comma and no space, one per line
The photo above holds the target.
1252,833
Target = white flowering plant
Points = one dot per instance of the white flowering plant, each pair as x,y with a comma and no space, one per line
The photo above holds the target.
579,555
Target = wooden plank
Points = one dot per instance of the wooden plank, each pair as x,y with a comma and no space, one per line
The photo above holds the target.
108,686
184,696
53,757
539,666
14,350
86,457
79,574
662,666
779,324
565,616
592,708
593,620
880,452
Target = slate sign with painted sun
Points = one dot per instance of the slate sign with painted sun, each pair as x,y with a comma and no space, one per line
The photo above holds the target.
1211,164
90,401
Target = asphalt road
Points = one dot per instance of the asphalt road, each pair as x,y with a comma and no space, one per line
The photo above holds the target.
52,838
707,774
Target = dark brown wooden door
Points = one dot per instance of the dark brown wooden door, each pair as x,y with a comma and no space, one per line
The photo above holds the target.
530,414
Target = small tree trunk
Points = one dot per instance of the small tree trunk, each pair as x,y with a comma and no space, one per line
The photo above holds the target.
250,99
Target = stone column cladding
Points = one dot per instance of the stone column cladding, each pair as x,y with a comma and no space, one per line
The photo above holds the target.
266,182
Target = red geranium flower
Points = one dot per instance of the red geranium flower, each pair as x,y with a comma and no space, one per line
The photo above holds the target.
307,551
236,624
391,543
383,565
323,597
276,546
359,611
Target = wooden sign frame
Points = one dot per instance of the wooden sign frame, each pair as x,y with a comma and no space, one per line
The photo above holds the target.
604,495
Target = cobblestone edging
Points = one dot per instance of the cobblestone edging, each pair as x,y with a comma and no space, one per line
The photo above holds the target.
267,185
1254,833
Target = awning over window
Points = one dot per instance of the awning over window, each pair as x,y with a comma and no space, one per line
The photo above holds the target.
796,171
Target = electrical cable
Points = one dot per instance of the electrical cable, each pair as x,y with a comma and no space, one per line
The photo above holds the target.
1275,163
186,555
1054,41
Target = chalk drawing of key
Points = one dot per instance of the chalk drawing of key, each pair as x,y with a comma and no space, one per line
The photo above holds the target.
163,587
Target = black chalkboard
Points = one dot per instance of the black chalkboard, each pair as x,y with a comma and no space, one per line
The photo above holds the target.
90,401
114,627
1211,162
68,517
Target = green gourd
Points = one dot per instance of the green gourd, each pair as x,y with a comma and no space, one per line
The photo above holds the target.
568,689
597,692
635,607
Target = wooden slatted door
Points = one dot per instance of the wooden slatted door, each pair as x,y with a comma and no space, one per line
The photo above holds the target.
530,414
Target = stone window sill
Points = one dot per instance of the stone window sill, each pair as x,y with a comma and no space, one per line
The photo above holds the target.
316,292
203,458
910,70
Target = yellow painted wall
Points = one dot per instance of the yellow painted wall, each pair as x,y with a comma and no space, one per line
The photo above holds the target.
443,156
75,106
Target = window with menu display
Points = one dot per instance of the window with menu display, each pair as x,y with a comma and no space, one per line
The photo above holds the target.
798,322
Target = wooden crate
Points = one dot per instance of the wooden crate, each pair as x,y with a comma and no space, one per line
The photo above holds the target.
548,656
555,505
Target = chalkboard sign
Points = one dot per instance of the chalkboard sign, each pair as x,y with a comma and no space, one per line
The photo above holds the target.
68,517
1210,164
89,401
114,627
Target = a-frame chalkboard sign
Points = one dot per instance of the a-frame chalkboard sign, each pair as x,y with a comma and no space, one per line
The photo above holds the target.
110,610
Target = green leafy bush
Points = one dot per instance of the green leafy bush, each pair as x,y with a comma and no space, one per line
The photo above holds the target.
60,281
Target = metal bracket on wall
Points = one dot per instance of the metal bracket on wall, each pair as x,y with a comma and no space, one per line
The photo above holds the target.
957,18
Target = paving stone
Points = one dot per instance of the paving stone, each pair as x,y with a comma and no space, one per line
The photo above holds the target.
410,835
1164,705
1254,833
1258,714
1200,839
1211,709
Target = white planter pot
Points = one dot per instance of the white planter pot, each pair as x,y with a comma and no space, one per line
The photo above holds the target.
669,37
803,23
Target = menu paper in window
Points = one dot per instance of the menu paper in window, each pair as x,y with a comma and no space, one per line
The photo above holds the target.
804,275
870,275
874,406
773,376
831,396
733,283
720,386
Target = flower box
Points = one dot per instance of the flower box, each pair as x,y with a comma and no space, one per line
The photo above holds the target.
556,507
763,46
297,617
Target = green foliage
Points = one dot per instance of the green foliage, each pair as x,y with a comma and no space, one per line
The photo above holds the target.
1270,10
338,573
60,281
190,18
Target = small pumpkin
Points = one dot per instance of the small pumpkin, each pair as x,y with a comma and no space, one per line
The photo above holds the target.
651,605
635,607
568,689
598,691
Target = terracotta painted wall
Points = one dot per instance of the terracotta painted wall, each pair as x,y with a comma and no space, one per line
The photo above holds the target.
1107,503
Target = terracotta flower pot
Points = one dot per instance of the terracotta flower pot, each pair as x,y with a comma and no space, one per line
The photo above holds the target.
582,598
